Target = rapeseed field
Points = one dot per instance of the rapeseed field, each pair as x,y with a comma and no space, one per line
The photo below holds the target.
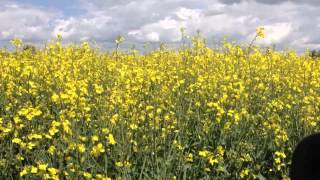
74,112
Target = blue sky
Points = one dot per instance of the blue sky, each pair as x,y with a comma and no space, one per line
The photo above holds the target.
288,23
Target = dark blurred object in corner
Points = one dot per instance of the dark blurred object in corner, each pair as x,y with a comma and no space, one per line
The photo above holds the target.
306,159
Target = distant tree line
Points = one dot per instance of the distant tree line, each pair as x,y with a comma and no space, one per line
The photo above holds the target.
315,53
29,47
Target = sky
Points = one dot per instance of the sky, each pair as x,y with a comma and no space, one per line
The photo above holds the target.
289,24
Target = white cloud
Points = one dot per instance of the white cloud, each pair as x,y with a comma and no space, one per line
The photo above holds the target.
187,14
288,24
277,32
166,23
153,36
82,27
166,29
63,28
25,22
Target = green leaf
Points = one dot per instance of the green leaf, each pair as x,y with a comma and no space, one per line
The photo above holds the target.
261,177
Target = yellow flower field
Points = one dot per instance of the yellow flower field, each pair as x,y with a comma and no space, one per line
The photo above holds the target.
69,112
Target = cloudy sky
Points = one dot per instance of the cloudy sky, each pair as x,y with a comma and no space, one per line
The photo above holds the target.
288,23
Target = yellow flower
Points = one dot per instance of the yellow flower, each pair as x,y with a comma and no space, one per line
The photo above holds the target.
43,167
100,147
244,172
127,164
280,154
30,145
34,170
87,175
204,153
53,171
16,120
98,88
189,157
102,177
198,104
111,139
23,172
97,150
94,138
51,150
19,157
119,164
30,113
133,126
213,161
34,136
16,42
16,140
220,150
83,138
53,130
58,36
105,130
81,148
66,127
55,98
260,32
